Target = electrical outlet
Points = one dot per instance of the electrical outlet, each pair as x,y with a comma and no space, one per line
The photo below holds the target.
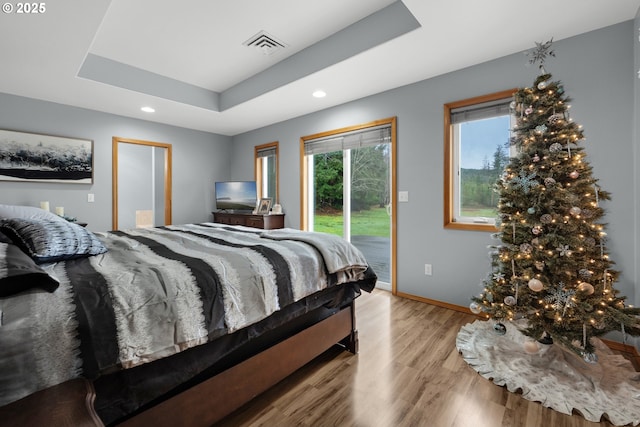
91,198
427,270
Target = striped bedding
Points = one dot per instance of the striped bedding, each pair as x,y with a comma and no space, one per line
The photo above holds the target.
157,292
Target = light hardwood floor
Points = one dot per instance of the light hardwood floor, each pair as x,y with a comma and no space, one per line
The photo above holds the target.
407,373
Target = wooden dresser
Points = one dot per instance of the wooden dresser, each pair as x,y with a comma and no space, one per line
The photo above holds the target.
266,222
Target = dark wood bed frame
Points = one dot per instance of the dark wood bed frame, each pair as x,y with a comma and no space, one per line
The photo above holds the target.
71,403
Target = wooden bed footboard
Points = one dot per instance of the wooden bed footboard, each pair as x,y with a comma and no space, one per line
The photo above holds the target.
71,403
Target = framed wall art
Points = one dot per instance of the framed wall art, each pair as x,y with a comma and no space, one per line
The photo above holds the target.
35,157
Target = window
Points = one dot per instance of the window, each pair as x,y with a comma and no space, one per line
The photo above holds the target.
476,136
266,170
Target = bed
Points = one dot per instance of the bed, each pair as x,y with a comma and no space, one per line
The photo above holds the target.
173,325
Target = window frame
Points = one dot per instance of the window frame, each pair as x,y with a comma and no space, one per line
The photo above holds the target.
450,162
258,168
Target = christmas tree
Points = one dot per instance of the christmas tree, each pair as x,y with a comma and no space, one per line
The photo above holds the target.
552,268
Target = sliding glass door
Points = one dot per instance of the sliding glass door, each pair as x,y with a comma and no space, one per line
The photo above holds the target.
349,182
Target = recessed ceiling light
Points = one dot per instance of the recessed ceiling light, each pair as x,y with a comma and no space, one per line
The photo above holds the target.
319,94
148,110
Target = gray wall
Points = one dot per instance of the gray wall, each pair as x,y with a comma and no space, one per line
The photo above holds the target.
597,70
199,159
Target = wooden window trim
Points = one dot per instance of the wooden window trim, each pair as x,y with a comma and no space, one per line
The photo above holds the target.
449,161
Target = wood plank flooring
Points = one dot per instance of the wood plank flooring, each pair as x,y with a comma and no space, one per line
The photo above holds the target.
407,373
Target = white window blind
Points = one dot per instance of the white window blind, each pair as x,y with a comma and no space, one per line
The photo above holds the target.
356,139
266,152
485,110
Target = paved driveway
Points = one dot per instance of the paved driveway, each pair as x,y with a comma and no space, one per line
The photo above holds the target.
377,250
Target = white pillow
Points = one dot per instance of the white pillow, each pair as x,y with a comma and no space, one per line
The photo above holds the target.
27,212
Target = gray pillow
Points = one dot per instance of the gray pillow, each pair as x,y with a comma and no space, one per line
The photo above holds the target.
19,273
27,212
51,241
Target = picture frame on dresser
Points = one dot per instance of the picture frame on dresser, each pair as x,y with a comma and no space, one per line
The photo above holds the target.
264,206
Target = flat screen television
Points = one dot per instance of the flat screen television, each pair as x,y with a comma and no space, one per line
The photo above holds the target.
236,195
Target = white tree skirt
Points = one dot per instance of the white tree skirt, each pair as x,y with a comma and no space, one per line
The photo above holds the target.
554,376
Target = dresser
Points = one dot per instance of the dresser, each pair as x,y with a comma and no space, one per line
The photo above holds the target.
266,222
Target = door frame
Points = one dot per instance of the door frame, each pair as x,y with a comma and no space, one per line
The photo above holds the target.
304,182
114,176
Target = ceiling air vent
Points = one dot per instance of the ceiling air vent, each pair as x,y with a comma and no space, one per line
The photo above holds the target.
266,43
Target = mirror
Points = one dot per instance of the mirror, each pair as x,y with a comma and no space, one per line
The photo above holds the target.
141,173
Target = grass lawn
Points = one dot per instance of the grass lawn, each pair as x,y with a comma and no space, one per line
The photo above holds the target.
372,222
480,212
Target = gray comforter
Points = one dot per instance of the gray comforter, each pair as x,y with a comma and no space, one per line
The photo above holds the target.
157,292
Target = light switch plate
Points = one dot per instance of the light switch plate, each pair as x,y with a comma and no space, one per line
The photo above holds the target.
403,196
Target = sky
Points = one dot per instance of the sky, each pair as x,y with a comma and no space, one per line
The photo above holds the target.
480,139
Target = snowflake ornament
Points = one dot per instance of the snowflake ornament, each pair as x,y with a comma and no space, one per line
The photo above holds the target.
561,298
524,181
564,250
540,53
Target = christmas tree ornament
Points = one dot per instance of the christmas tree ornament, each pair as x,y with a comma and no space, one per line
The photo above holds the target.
499,328
475,308
510,300
585,287
590,357
530,346
546,218
539,265
535,285
541,128
524,181
536,230
542,85
512,105
585,273
531,211
526,248
574,174
528,110
545,339
575,211
554,119
549,182
555,147
540,53
536,158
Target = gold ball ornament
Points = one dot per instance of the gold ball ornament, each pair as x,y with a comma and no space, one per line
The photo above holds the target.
530,346
585,287
535,285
